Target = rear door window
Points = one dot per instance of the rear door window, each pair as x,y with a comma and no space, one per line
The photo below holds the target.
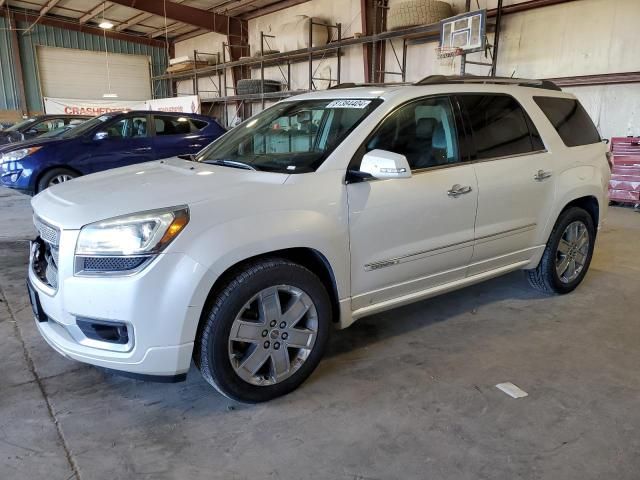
177,125
570,119
500,126
128,127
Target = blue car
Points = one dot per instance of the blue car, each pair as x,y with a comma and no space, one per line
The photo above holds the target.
108,141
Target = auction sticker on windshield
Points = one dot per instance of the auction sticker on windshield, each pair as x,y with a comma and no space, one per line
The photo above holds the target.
349,104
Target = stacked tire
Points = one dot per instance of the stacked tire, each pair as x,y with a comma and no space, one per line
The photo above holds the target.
412,13
249,87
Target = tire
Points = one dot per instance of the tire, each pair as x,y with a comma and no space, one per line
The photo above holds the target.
229,366
54,177
546,276
249,87
417,12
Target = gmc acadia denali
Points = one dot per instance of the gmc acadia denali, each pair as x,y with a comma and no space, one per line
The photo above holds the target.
322,209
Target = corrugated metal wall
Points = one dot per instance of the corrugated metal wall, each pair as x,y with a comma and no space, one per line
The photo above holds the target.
8,91
57,37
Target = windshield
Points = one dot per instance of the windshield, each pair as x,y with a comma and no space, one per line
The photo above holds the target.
290,137
56,132
19,126
85,127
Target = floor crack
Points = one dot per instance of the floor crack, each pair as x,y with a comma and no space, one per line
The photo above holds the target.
30,365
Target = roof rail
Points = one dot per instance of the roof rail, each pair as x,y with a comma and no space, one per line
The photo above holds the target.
470,79
357,85
344,85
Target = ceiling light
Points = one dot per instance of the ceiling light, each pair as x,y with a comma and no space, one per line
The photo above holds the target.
106,24
109,95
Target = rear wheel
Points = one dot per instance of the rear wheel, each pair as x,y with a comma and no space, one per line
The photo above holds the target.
567,255
265,332
55,177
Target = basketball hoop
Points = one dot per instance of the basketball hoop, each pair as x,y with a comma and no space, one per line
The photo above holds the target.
447,55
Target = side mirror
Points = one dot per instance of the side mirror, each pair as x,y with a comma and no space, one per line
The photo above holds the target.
382,164
101,135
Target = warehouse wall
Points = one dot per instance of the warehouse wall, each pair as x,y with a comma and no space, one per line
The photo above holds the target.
58,37
207,43
584,37
9,102
279,24
331,11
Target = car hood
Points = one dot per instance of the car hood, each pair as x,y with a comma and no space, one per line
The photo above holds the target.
147,186
34,142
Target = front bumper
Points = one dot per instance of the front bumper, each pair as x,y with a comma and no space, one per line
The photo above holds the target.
160,305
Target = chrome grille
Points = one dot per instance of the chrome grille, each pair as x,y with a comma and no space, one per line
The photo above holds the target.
48,233
45,265
51,274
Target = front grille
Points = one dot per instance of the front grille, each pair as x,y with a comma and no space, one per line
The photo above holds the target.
48,233
45,253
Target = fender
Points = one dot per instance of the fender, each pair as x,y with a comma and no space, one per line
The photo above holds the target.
221,247
574,183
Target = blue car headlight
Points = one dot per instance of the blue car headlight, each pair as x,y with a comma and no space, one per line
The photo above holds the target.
16,155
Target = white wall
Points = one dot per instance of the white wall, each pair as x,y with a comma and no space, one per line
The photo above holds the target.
614,108
346,12
583,37
207,43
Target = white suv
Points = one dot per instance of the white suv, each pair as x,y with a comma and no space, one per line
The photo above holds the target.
320,210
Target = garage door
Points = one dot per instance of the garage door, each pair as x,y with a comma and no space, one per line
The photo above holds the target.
81,74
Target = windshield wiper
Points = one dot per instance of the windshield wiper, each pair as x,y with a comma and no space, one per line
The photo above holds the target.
231,163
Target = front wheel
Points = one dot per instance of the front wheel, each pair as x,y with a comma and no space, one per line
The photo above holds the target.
567,255
265,332
55,177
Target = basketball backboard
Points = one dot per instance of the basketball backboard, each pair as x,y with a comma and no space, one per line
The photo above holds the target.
466,32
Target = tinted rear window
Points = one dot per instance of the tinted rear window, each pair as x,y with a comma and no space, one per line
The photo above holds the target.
501,128
570,119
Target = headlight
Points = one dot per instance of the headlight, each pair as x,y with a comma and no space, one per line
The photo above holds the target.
16,155
126,243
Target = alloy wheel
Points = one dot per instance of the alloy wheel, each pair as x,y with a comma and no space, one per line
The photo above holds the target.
273,335
63,177
573,251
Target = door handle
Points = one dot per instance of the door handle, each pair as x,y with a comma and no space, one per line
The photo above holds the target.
142,149
458,190
542,175
195,145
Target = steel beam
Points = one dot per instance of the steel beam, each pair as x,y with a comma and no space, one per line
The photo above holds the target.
94,12
141,17
169,28
274,7
48,6
526,6
67,25
602,79
211,21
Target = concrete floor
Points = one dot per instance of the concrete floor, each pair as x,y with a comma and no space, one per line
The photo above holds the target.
406,394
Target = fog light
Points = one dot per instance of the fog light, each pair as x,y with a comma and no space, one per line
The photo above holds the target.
14,178
104,331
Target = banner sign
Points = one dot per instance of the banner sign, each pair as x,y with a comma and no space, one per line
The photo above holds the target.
182,104
69,106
